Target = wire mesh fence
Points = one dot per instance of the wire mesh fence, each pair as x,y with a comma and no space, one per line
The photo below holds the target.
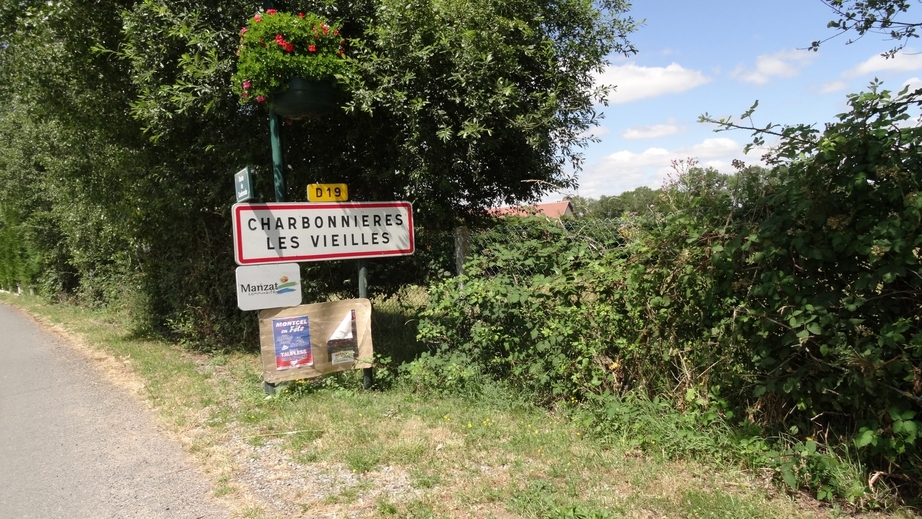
397,314
594,236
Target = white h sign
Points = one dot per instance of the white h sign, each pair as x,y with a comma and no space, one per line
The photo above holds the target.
292,232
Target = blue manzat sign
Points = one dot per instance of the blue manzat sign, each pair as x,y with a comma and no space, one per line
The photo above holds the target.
268,286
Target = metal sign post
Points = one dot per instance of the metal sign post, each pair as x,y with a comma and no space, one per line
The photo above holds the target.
367,375
278,167
290,233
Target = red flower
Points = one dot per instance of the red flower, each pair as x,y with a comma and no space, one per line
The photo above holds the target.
283,44
257,18
301,15
326,30
270,11
312,48
336,32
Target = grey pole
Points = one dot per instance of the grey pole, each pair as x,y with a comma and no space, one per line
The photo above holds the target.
367,375
278,166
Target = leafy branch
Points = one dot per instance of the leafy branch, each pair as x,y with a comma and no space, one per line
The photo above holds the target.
871,16
802,134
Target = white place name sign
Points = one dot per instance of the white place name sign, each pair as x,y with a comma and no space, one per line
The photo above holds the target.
302,231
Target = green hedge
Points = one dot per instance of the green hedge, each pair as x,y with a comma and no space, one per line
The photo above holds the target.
786,302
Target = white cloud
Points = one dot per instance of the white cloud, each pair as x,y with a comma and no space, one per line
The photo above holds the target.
913,84
650,157
652,132
833,86
634,82
900,63
786,63
711,148
625,170
724,166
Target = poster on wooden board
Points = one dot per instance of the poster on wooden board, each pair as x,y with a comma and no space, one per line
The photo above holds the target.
309,341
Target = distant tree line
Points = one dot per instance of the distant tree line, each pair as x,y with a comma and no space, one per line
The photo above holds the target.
644,201
636,202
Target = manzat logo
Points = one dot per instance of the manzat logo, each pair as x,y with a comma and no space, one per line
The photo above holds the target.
285,286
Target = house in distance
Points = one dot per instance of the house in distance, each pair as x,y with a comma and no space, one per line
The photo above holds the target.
550,210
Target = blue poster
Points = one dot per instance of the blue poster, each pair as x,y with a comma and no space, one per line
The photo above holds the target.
292,337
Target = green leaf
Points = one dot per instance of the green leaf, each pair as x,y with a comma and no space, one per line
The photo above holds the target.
810,445
787,474
865,437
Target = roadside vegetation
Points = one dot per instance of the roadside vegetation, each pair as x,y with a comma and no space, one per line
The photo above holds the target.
764,325
331,449
745,345
782,306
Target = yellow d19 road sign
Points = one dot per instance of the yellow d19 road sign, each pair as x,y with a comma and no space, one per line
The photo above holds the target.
327,193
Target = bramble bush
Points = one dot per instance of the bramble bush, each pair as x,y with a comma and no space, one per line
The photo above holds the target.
785,303
832,316
522,312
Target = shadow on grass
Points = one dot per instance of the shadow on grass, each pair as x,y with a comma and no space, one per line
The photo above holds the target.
394,330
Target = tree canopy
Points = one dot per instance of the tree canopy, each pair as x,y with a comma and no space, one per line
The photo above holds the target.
121,132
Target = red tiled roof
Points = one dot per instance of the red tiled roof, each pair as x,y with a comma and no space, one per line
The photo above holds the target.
551,210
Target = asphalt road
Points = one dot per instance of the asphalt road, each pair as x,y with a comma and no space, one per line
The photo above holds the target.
73,445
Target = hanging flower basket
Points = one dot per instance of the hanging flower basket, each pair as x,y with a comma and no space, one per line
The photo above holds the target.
296,63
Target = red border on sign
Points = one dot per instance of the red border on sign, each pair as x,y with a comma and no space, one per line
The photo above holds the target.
239,209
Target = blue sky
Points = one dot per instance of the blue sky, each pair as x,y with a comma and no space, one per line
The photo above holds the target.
719,56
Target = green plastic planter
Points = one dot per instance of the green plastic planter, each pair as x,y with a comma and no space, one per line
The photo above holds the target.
304,98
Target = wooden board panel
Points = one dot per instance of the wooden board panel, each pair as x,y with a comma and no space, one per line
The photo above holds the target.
322,320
